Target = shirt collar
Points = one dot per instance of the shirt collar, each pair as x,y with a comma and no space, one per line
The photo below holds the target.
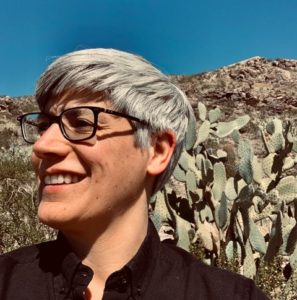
134,276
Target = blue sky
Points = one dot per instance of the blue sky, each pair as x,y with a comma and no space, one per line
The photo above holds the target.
179,37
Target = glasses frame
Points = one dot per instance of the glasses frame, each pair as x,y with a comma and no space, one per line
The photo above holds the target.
58,120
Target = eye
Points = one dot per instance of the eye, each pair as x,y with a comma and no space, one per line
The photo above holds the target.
81,123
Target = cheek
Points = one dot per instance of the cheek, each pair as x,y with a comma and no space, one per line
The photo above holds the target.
113,163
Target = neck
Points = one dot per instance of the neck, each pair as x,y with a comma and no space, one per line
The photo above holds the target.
108,248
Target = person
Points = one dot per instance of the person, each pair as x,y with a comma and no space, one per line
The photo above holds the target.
109,133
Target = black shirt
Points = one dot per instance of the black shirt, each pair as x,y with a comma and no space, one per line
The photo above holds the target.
162,271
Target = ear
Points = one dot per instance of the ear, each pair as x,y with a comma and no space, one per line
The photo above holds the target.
160,152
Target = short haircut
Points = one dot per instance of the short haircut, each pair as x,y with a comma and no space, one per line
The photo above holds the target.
132,85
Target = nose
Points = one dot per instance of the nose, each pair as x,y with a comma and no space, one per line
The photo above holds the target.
51,143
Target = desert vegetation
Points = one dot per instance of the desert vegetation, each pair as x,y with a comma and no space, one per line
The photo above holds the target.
19,225
232,208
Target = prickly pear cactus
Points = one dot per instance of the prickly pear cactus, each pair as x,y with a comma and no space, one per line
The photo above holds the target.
234,201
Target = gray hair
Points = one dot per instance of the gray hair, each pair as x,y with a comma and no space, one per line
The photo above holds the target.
132,85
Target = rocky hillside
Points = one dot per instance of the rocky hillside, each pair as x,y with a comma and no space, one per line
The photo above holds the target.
10,108
259,87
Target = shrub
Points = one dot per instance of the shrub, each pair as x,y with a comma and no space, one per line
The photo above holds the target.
19,225
7,137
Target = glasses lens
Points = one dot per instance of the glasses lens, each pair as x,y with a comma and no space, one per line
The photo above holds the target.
33,125
78,123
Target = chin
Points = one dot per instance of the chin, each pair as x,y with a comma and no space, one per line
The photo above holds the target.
52,215
48,220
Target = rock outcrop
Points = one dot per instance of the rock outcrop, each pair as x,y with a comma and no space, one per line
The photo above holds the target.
257,86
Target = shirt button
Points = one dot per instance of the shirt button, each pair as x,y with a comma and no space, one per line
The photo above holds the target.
122,284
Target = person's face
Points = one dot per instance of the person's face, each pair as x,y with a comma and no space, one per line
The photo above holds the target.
83,183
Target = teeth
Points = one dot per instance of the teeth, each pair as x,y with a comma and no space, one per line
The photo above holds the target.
54,179
67,179
60,179
47,180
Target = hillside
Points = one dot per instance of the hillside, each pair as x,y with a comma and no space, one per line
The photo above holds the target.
257,86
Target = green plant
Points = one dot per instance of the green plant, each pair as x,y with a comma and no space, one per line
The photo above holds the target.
239,206
19,225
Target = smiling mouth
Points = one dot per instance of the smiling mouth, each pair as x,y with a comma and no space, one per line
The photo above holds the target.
61,179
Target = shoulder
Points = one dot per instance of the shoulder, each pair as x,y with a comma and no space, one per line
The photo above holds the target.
20,256
209,281
25,256
187,263
27,271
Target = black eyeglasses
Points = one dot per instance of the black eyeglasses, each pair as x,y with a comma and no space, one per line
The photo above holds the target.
76,124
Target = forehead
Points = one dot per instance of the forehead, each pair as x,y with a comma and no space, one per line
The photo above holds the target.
59,103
